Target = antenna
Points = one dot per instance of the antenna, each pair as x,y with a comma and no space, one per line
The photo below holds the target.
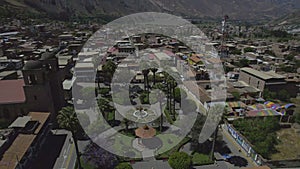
224,34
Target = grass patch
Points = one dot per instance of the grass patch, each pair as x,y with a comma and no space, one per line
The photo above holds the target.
201,159
111,116
123,144
288,146
85,165
168,116
169,145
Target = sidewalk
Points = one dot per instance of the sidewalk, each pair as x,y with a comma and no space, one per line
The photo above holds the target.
236,147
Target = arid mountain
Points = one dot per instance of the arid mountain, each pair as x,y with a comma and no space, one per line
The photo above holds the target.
289,22
236,9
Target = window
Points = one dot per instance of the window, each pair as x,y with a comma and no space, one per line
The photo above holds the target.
257,84
32,79
35,97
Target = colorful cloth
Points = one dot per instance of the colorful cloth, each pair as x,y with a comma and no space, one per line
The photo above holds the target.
263,112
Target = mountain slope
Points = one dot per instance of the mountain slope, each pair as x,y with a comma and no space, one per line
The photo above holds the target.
236,9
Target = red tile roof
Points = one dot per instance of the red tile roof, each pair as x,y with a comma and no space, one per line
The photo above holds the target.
11,91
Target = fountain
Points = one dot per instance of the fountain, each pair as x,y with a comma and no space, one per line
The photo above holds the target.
140,113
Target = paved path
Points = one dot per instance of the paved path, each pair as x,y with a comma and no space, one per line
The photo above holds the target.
152,165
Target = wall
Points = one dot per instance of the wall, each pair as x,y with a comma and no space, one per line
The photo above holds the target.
252,80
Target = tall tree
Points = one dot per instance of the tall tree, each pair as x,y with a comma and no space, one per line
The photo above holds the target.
68,120
109,68
146,83
154,70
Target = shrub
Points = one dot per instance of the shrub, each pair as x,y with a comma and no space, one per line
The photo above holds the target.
180,160
124,166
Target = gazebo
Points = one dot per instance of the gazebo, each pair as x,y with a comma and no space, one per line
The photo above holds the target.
145,132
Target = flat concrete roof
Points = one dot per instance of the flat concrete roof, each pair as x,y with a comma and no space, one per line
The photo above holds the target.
20,122
22,143
263,75
162,56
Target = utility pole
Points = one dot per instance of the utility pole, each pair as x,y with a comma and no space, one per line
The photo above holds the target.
223,48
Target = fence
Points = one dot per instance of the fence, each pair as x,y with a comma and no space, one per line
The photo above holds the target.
244,143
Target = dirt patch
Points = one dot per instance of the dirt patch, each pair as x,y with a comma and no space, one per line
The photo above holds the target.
289,145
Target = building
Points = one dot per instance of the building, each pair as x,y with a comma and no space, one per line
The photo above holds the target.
25,140
8,75
263,80
39,90
43,85
12,99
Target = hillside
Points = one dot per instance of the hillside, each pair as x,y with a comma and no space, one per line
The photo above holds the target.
236,9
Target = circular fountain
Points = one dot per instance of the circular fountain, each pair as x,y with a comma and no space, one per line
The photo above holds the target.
140,113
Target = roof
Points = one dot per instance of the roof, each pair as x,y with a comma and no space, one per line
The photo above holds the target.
236,104
260,167
145,132
33,64
16,151
6,73
20,122
11,91
63,60
22,143
84,65
8,33
263,75
162,56
213,60
41,117
195,59
47,55
263,113
67,84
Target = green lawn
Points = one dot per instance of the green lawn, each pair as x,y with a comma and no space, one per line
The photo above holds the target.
85,165
123,144
171,144
201,159
111,116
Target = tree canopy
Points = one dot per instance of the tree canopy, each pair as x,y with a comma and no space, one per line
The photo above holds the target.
261,133
99,157
180,160
68,120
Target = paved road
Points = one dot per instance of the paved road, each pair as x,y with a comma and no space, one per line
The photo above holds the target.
234,148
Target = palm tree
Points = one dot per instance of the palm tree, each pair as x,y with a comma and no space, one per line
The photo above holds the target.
104,107
109,69
171,94
68,120
154,69
146,83
126,122
162,111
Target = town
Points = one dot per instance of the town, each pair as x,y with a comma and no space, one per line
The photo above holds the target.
154,94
